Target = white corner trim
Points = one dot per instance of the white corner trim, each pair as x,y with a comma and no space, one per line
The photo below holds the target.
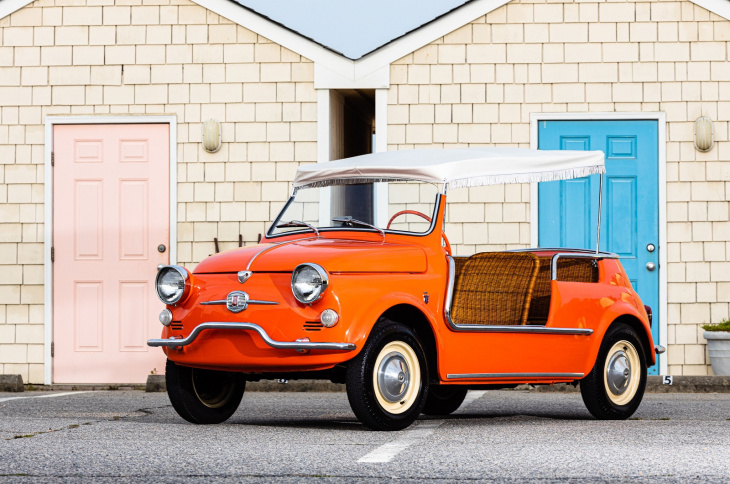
381,145
323,151
50,122
661,119
9,6
718,7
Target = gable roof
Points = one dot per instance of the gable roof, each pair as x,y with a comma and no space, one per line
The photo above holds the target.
350,28
333,70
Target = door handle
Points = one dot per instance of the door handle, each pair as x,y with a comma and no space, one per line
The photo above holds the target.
161,248
650,247
650,266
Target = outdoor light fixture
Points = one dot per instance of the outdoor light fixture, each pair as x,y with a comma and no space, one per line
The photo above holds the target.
704,134
211,135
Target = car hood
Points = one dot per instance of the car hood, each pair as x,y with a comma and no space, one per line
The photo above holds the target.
335,255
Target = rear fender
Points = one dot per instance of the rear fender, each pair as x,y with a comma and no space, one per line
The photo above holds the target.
621,312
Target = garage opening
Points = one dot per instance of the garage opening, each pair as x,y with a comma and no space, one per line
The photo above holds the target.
352,118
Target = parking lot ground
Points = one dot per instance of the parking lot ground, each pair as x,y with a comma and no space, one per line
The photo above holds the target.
498,436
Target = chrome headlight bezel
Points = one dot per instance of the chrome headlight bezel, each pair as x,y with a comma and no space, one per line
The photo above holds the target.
322,287
182,292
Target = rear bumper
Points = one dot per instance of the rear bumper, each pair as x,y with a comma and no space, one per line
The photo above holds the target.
282,345
659,349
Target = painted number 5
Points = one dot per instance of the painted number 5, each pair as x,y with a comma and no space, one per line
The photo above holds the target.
668,380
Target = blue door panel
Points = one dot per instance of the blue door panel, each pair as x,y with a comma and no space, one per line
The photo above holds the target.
568,210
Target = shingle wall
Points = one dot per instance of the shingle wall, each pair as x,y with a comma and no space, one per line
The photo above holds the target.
479,84
68,57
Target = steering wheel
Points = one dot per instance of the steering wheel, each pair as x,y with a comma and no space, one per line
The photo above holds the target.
407,212
447,245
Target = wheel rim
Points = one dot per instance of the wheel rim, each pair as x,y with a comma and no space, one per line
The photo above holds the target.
396,377
622,372
213,388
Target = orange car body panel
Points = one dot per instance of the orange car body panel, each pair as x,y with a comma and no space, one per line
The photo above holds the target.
368,276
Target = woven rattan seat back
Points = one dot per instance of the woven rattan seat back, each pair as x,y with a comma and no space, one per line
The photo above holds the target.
495,288
459,263
540,302
569,270
577,270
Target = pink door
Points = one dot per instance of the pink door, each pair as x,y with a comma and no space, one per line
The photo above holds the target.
111,207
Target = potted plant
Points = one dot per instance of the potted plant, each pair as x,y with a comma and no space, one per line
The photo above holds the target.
718,346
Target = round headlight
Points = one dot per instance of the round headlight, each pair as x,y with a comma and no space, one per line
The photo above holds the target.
170,284
308,282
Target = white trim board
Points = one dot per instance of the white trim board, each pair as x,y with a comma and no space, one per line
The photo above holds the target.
535,118
336,71
333,70
50,122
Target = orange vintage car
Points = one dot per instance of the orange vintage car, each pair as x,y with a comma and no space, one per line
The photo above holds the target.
384,306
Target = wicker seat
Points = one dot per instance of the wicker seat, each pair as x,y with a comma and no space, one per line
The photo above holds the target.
540,302
495,288
569,270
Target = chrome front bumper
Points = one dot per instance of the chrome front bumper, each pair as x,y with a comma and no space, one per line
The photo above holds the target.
281,345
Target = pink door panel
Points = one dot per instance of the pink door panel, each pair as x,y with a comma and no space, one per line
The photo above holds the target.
111,210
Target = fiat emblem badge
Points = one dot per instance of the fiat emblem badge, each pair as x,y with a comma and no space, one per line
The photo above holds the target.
237,301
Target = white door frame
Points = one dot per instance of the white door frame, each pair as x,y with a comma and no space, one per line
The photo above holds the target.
660,117
51,121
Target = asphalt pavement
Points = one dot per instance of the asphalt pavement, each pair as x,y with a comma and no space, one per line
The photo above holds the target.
497,436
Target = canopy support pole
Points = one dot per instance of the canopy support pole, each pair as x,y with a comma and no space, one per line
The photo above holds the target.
600,197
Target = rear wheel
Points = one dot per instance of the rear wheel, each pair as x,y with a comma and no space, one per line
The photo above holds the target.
614,388
386,381
203,396
444,399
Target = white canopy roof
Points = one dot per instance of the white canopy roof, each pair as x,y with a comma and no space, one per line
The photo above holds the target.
467,167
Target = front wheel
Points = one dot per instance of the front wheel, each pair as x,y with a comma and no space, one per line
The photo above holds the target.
203,396
614,388
387,380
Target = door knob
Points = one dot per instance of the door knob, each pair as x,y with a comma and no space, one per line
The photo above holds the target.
650,266
650,247
161,248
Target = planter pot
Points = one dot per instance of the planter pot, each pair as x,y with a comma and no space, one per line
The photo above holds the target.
718,346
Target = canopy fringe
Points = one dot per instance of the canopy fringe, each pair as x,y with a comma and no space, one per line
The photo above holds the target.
533,177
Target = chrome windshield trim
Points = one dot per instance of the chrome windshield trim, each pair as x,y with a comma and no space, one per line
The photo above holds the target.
275,246
511,376
249,301
575,255
281,345
486,328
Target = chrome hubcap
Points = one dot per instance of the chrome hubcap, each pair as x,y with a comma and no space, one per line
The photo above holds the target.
618,374
393,377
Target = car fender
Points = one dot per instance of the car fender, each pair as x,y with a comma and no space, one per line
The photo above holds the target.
614,312
363,323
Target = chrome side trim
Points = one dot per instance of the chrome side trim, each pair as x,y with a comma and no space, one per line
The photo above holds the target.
484,328
511,376
574,255
250,301
281,345
528,328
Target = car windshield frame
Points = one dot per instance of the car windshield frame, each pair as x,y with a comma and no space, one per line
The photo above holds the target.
271,235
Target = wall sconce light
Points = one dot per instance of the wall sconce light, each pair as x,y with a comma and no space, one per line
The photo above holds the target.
704,134
211,135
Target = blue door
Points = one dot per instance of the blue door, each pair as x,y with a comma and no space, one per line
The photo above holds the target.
568,210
